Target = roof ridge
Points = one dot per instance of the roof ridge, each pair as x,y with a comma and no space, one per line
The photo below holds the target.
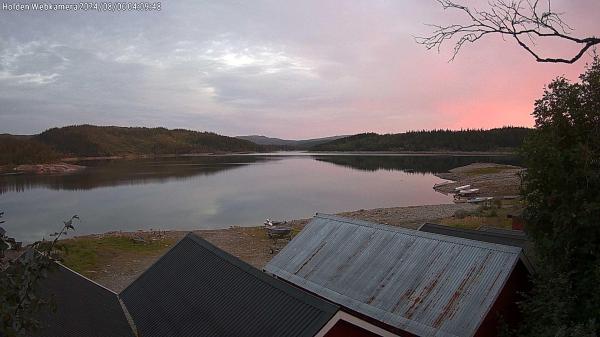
153,264
289,289
86,278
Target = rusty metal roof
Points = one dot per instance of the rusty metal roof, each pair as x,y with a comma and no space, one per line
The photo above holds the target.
509,237
423,283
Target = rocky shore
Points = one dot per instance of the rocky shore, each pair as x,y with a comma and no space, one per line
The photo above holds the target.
492,180
54,168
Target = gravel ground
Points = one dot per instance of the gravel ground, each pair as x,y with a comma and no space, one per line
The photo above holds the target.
252,245
492,180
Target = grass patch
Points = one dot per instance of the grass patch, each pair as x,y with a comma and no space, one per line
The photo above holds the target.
494,214
474,222
85,255
488,170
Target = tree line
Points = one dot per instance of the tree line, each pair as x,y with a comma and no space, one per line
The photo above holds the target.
499,139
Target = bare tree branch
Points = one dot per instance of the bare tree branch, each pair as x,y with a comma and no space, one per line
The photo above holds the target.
523,20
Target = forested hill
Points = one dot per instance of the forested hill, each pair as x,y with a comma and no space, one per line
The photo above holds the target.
287,144
95,141
500,139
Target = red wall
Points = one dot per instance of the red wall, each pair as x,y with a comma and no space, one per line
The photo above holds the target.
346,329
505,308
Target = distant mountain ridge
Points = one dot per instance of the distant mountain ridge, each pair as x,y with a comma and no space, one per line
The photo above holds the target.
289,143
99,141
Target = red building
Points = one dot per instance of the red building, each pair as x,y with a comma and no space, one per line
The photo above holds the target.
407,282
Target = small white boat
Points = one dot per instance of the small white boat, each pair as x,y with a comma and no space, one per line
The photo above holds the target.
479,199
462,187
468,191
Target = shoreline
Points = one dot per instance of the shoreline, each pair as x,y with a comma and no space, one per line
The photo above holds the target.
114,259
491,180
421,153
251,244
65,166
41,169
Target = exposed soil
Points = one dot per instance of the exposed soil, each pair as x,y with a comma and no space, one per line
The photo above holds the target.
250,244
56,168
492,180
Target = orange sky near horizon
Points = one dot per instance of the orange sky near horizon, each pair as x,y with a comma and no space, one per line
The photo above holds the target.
292,70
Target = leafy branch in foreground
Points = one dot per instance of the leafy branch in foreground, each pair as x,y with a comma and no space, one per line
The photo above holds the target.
523,20
19,303
562,194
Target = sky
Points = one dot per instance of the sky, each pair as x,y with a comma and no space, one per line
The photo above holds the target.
288,69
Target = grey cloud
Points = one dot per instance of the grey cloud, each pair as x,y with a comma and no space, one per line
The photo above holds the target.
265,66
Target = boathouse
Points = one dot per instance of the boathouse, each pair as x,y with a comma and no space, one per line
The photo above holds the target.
411,283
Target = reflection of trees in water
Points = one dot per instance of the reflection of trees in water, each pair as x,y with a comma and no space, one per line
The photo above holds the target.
103,173
413,164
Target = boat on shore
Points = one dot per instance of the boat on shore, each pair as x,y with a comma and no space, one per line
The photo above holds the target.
479,200
468,191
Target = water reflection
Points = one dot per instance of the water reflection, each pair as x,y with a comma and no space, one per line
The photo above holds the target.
216,192
105,173
412,164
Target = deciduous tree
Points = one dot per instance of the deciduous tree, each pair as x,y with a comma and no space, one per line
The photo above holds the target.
526,21
562,194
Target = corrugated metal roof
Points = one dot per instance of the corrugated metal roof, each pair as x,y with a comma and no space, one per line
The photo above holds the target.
490,234
196,289
486,234
83,308
423,283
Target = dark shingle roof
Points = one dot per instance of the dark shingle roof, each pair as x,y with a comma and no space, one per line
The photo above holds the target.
197,289
82,308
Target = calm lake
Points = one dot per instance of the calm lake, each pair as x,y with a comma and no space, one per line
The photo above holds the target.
204,192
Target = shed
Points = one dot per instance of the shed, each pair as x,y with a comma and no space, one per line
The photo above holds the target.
414,283
83,308
196,289
509,237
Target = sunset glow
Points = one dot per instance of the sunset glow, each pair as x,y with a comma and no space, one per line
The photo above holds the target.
284,69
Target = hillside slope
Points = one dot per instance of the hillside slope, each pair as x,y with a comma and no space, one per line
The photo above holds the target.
288,143
96,141
500,139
